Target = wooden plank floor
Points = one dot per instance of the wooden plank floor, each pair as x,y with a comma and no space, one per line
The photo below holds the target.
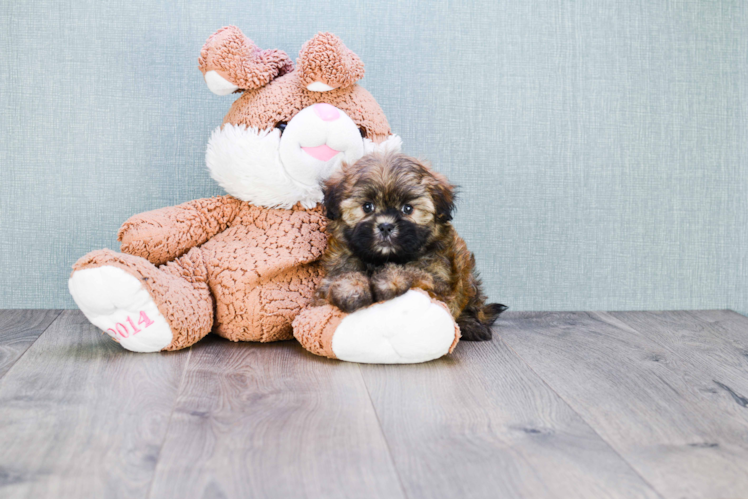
625,404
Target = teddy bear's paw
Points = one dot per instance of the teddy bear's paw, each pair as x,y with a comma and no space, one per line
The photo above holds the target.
116,301
411,328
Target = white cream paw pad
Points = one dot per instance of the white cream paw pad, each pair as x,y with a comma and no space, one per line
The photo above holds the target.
407,329
116,302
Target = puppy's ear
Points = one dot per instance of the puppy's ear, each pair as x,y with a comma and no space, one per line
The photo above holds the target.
333,191
443,193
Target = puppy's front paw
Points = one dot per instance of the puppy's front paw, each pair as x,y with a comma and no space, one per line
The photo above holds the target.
350,292
390,282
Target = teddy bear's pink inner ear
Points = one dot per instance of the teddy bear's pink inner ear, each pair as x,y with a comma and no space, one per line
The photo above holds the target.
230,61
325,63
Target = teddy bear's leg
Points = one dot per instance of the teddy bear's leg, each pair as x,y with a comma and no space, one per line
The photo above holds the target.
144,308
264,312
412,328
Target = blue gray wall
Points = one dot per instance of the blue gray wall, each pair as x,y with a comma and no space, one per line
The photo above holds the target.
602,147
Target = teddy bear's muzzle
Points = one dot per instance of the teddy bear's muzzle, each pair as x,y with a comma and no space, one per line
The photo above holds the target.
316,140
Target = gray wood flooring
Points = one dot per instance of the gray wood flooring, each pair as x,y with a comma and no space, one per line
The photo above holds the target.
583,404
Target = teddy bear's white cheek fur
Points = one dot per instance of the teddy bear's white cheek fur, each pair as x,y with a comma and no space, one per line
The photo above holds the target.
246,162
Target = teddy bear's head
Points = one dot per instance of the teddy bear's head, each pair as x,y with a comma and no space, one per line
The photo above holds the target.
291,128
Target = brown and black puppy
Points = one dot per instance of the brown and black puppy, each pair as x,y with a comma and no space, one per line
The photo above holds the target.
390,231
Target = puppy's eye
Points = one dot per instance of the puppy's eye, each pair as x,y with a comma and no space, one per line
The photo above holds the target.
368,207
362,131
407,209
281,126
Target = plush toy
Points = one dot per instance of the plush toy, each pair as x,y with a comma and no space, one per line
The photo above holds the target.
245,265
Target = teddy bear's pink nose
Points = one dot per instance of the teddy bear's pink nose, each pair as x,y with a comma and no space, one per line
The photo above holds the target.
327,112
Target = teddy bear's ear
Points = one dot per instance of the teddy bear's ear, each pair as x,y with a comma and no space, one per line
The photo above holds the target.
230,62
325,63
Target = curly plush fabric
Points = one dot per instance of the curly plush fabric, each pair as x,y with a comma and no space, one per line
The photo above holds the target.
314,328
326,59
165,234
253,271
267,106
237,59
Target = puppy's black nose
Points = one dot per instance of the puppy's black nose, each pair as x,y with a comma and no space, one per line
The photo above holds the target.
386,228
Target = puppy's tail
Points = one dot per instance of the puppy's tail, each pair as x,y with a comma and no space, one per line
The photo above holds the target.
475,324
491,313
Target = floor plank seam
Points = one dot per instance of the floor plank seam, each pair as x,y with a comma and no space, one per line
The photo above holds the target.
168,423
384,436
592,428
3,376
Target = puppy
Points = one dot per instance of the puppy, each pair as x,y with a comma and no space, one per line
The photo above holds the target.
390,231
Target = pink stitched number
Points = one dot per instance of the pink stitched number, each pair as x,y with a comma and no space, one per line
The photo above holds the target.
135,328
123,335
144,320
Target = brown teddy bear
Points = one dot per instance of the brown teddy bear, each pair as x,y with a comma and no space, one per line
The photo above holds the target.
245,265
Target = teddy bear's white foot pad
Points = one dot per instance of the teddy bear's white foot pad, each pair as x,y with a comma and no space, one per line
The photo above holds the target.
117,302
408,329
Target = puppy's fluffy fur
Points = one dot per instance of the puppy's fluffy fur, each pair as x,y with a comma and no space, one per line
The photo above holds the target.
390,231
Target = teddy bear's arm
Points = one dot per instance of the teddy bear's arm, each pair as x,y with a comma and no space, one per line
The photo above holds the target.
163,235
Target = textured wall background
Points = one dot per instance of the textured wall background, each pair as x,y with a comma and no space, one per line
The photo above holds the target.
602,147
